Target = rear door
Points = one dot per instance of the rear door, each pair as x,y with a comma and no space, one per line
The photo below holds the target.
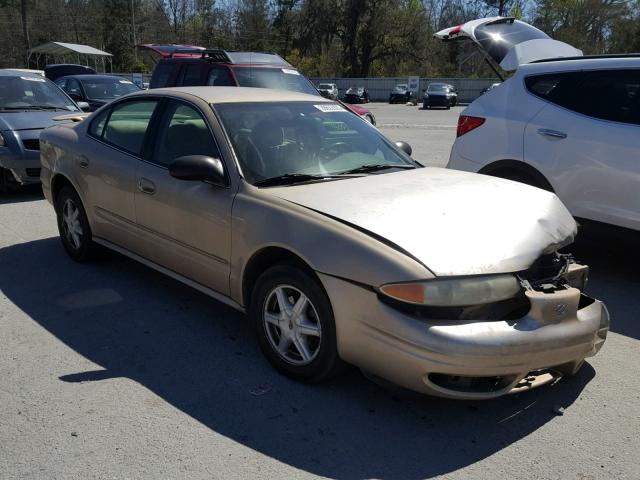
108,166
588,139
509,42
184,225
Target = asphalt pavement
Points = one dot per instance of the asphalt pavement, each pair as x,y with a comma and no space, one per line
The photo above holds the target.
110,370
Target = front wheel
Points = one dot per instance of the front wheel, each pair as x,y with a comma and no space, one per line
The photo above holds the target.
294,322
73,226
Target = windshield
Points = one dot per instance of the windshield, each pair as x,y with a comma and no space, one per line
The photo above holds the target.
400,88
108,88
271,140
497,38
437,88
325,86
277,78
32,93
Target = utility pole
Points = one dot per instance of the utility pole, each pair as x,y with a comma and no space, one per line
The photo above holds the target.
133,28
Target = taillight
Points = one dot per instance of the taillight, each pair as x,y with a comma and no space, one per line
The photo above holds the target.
467,123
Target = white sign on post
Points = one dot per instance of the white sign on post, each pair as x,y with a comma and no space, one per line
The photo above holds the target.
414,84
138,79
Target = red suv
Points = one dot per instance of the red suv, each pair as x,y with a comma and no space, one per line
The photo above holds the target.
194,66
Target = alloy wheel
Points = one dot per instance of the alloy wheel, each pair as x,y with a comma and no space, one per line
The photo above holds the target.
71,226
292,325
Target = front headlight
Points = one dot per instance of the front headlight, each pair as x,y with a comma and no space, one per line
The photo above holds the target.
454,292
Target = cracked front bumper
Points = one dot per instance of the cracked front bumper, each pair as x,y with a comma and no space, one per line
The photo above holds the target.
487,359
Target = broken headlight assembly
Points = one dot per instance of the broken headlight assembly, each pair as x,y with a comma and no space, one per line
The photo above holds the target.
454,292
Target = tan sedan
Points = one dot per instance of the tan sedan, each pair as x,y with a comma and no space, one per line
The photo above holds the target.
338,245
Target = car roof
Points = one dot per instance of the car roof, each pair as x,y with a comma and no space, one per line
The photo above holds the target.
90,76
19,73
579,63
237,94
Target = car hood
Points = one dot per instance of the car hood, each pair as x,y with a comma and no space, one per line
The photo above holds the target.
28,120
454,223
509,42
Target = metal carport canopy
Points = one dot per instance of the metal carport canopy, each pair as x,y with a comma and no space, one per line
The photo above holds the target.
69,50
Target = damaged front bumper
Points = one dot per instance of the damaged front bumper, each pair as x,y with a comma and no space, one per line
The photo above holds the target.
467,359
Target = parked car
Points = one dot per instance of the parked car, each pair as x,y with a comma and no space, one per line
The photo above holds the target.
28,103
568,125
290,208
53,72
490,87
26,70
400,93
96,90
329,90
356,95
216,67
439,95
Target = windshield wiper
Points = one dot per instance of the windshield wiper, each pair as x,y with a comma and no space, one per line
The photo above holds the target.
374,167
291,178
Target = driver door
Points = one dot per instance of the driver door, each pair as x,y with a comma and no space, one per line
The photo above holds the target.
185,225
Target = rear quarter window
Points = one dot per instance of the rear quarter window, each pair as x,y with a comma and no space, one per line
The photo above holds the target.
602,94
162,75
96,128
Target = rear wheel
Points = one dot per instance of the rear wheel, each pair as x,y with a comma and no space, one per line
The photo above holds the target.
294,323
522,177
73,226
8,183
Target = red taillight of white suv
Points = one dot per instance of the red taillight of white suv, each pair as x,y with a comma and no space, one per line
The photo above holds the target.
467,123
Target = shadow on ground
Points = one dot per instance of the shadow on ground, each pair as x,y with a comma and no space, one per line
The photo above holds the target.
29,193
613,255
199,357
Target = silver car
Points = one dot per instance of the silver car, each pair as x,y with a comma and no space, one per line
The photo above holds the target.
28,103
337,244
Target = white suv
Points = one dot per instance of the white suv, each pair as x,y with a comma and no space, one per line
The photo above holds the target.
570,125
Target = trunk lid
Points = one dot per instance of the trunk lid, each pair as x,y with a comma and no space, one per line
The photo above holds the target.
509,42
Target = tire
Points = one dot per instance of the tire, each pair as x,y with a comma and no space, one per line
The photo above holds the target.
369,119
8,184
306,357
71,215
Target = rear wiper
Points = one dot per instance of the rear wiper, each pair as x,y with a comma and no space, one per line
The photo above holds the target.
291,178
374,167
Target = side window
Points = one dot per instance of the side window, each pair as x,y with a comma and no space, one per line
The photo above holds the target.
610,95
190,75
219,77
183,131
73,88
604,94
128,124
162,75
61,83
96,129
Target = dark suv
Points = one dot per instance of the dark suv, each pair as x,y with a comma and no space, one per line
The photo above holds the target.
195,67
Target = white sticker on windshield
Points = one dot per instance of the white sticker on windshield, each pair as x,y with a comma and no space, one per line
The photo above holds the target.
125,81
329,107
290,71
33,79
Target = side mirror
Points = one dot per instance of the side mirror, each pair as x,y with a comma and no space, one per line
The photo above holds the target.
84,106
199,167
405,147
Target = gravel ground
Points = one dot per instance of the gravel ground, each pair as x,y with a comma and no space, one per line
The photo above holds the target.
113,371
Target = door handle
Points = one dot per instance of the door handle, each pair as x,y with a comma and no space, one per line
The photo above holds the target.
146,186
83,161
545,132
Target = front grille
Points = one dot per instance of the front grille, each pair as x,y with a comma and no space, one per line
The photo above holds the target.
31,144
33,172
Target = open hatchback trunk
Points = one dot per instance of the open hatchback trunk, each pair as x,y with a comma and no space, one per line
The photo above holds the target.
508,42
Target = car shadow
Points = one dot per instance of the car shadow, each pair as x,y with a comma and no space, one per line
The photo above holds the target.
613,256
199,356
29,193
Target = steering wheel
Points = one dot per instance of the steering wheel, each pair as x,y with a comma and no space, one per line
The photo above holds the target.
258,170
